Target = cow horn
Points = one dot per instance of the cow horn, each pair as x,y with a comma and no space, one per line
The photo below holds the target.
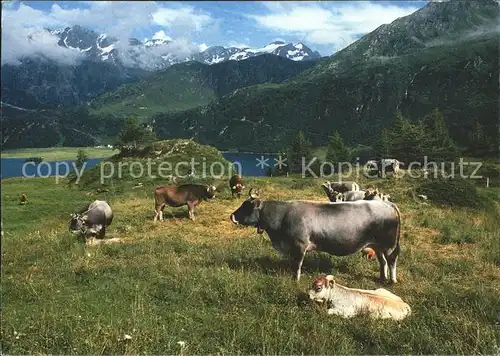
330,280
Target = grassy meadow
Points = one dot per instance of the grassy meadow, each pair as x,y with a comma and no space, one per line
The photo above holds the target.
223,289
58,153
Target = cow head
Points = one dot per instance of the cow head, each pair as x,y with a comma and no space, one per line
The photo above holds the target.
77,223
210,192
319,291
249,212
332,195
238,187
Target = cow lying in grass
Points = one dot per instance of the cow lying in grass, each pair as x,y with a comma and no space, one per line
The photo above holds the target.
348,302
374,194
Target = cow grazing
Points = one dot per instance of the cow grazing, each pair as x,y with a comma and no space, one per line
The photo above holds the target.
348,302
93,221
177,196
332,195
296,227
236,184
384,165
23,199
388,165
371,165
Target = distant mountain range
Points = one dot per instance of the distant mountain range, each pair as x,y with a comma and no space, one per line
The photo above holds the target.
191,84
444,56
156,53
105,63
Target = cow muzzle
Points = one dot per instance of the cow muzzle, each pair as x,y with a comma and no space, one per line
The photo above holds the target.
233,219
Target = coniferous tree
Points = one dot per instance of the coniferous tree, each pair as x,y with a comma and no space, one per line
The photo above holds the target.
480,143
300,148
133,134
337,151
81,158
440,146
404,140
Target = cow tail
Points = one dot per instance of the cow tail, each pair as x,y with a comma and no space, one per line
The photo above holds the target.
395,252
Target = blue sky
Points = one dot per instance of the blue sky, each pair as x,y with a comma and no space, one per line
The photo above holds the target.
324,26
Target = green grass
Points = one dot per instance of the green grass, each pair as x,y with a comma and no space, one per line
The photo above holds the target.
222,289
58,153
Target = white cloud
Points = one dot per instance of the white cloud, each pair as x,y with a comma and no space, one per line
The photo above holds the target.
39,43
161,35
181,19
23,36
328,23
116,19
203,47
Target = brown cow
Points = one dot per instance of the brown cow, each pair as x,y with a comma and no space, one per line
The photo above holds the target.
23,199
236,185
184,194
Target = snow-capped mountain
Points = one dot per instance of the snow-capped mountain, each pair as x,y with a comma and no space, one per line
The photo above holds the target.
68,66
160,52
296,52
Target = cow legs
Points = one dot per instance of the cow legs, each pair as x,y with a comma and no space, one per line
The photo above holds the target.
191,210
159,212
297,260
383,265
392,269
392,260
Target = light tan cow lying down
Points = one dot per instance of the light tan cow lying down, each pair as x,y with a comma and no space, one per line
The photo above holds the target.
92,241
349,302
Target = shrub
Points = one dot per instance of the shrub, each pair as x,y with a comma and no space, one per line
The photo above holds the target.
454,192
36,160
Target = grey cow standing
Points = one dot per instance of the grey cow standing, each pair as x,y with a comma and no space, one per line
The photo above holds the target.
296,227
93,221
